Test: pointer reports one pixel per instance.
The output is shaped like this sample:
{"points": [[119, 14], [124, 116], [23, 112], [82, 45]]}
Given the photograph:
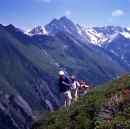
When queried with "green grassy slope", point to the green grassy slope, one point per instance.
{"points": [[88, 112]]}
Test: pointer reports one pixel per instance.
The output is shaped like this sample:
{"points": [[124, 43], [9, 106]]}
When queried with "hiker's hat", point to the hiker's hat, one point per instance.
{"points": [[61, 73]]}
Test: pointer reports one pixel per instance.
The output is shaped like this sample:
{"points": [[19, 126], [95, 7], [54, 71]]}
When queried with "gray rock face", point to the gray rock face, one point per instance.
{"points": [[15, 113], [23, 83], [120, 48]]}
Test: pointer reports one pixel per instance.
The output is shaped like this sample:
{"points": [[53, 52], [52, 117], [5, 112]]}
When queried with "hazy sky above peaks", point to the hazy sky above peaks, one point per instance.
{"points": [[28, 13]]}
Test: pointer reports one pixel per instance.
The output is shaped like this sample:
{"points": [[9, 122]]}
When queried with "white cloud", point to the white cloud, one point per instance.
{"points": [[68, 13], [45, 1], [117, 13]]}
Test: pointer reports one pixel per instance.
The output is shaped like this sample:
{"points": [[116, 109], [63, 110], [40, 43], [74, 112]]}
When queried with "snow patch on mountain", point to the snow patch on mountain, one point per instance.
{"points": [[91, 35], [38, 30], [128, 28], [126, 34], [101, 35], [27, 32], [112, 51]]}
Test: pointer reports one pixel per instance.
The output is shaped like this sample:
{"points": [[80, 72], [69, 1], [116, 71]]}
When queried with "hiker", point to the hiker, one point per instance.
{"points": [[74, 88], [65, 85], [83, 89]]}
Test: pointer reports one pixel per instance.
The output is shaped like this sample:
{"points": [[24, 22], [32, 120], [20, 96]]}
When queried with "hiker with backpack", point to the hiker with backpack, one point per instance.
{"points": [[65, 86], [74, 87], [83, 89]]}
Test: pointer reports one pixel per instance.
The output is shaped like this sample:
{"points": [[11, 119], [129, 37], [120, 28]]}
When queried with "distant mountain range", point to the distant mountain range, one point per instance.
{"points": [[95, 35], [103, 37], [30, 61]]}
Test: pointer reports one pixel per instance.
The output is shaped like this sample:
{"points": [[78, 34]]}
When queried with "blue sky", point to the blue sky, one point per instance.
{"points": [[28, 13]]}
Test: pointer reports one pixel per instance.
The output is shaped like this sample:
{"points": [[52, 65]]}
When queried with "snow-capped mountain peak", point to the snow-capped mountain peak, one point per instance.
{"points": [[38, 30], [100, 35], [94, 35], [91, 35]]}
